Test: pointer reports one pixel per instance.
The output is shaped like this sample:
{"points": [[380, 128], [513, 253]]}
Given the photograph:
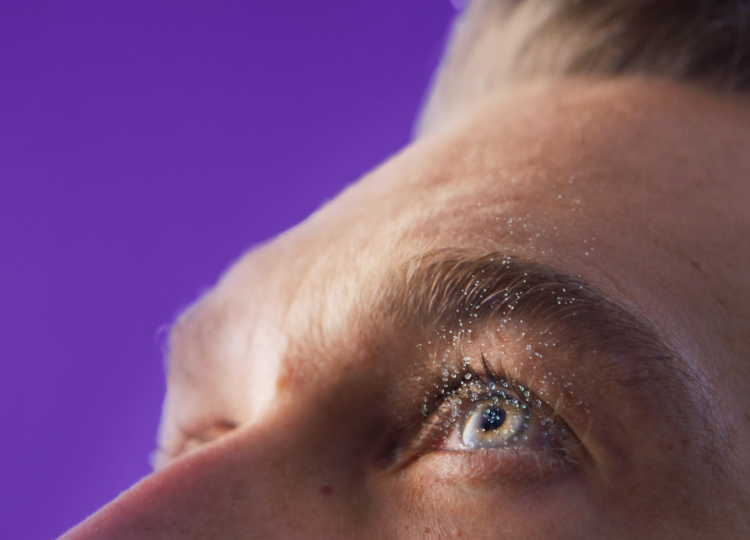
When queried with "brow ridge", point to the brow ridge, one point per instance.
{"points": [[449, 287]]}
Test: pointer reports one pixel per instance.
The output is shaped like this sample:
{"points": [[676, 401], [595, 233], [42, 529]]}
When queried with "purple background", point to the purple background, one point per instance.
{"points": [[143, 146]]}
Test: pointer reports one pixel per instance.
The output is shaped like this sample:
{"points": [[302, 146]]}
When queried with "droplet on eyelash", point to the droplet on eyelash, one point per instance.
{"points": [[467, 376]]}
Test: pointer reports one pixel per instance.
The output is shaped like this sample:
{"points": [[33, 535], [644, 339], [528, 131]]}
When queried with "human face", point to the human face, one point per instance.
{"points": [[532, 324]]}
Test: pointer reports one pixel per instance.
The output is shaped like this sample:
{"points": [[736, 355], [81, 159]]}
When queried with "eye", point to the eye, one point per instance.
{"points": [[495, 422], [183, 441], [491, 411]]}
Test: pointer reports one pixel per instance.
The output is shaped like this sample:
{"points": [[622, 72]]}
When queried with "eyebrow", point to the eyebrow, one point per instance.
{"points": [[445, 288], [448, 288]]}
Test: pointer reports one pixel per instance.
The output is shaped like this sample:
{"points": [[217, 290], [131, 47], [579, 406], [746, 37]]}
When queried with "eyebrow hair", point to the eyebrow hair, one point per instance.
{"points": [[449, 287]]}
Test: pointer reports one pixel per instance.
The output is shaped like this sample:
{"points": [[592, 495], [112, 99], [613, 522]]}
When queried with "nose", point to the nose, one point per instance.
{"points": [[260, 482]]}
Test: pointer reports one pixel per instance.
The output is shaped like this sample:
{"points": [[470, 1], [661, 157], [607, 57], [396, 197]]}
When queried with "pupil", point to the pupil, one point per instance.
{"points": [[492, 419]]}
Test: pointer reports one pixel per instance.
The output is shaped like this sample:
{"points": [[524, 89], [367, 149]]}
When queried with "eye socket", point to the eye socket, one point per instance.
{"points": [[497, 421]]}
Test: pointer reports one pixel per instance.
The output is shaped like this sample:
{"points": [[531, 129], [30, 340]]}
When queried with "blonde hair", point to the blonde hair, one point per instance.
{"points": [[495, 42]]}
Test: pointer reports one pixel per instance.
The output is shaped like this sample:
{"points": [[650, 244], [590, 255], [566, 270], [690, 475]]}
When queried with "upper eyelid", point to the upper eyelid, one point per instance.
{"points": [[489, 376]]}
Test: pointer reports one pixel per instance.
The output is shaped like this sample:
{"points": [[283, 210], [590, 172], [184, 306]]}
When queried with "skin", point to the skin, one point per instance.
{"points": [[290, 380]]}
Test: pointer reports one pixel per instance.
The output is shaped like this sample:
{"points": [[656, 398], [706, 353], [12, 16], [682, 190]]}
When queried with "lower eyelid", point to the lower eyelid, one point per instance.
{"points": [[532, 440], [487, 465]]}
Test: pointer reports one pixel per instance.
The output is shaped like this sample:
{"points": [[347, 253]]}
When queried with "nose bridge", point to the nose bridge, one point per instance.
{"points": [[267, 481]]}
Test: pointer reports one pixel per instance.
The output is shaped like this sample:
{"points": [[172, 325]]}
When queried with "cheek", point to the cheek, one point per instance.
{"points": [[488, 508]]}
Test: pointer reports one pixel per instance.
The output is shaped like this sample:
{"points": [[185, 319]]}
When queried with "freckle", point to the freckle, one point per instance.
{"points": [[326, 490], [427, 530]]}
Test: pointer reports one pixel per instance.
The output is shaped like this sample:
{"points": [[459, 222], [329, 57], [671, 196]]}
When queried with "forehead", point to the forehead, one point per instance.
{"points": [[615, 183]]}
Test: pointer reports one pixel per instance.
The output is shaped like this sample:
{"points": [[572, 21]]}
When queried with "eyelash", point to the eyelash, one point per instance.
{"points": [[473, 385]]}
